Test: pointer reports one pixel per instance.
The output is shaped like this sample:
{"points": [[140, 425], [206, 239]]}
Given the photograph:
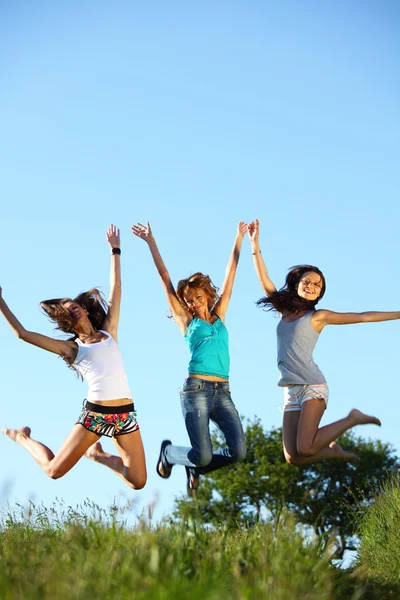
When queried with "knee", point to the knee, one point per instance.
{"points": [[53, 472], [240, 453], [202, 458], [138, 483], [305, 449], [293, 459]]}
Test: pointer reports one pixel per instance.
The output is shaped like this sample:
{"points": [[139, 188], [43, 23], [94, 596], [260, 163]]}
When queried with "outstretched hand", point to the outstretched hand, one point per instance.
{"points": [[242, 228], [112, 237], [253, 230], [143, 232]]}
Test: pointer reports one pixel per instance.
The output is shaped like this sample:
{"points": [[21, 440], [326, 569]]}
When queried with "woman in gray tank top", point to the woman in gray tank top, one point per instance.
{"points": [[305, 388]]}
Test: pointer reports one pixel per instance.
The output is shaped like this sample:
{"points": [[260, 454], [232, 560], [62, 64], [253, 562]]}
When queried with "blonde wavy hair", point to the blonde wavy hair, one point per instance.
{"points": [[198, 280]]}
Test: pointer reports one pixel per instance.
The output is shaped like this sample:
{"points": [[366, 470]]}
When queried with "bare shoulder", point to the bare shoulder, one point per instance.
{"points": [[321, 314], [112, 331], [320, 318]]}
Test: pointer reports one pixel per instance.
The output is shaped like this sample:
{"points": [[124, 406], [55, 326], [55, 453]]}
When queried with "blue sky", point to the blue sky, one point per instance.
{"points": [[194, 117]]}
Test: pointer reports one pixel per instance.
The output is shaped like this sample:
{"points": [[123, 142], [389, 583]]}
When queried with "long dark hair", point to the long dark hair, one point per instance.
{"points": [[92, 301], [287, 298]]}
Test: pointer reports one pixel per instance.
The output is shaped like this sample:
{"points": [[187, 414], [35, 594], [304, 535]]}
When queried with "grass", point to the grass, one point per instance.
{"points": [[379, 553], [62, 553], [88, 553]]}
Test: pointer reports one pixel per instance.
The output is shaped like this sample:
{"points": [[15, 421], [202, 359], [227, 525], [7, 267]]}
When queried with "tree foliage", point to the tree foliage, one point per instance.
{"points": [[326, 496]]}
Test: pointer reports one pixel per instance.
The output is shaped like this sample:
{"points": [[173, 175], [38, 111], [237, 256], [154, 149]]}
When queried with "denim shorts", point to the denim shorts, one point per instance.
{"points": [[97, 418], [295, 395]]}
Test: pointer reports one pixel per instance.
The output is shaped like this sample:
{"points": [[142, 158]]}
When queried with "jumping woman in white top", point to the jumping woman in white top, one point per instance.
{"points": [[305, 388], [92, 351]]}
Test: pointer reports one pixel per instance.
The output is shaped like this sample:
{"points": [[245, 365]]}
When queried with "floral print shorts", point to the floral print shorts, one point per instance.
{"points": [[97, 418]]}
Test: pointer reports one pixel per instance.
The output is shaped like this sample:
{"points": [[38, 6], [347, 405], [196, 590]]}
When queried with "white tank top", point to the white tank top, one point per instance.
{"points": [[102, 367]]}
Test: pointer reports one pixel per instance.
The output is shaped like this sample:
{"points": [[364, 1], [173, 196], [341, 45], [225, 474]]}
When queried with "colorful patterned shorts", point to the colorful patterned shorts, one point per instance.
{"points": [[97, 418]]}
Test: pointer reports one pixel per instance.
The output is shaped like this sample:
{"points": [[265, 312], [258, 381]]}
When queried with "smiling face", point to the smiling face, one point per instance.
{"points": [[310, 286], [196, 300], [75, 310]]}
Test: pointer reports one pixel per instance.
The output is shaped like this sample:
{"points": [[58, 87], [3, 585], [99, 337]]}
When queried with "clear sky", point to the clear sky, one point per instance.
{"points": [[194, 116]]}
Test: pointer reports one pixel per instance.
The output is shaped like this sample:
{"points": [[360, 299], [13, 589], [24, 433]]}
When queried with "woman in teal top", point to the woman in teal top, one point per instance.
{"points": [[199, 312], [208, 345]]}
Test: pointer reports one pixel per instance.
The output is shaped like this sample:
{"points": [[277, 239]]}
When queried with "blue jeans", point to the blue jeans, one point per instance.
{"points": [[201, 401]]}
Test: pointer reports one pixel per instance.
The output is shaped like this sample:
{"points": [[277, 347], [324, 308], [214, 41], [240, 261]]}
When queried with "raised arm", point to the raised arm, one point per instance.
{"points": [[180, 314], [259, 265], [66, 349], [230, 273], [328, 317], [114, 300]]}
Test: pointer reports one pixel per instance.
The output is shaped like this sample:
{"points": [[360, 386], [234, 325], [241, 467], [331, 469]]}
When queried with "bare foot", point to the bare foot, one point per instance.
{"points": [[349, 456], [17, 435], [94, 451], [360, 418]]}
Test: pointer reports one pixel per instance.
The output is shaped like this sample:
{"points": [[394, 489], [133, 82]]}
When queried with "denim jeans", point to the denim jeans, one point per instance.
{"points": [[201, 401]]}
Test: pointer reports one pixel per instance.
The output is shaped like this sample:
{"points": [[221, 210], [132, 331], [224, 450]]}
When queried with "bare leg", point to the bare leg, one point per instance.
{"points": [[54, 465], [310, 439], [131, 466], [290, 434]]}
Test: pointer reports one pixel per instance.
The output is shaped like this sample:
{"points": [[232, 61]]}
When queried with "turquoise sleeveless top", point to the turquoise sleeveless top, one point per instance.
{"points": [[208, 345]]}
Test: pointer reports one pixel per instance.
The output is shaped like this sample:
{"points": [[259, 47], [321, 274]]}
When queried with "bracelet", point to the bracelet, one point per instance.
{"points": [[257, 252], [116, 251]]}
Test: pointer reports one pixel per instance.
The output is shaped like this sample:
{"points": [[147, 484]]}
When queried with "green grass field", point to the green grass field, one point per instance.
{"points": [[379, 554], [88, 553]]}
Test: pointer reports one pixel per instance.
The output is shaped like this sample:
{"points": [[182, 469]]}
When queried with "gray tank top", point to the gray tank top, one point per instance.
{"points": [[296, 342]]}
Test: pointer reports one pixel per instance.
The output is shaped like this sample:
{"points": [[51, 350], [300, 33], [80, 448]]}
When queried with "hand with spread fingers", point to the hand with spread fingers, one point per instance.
{"points": [[113, 236], [143, 232]]}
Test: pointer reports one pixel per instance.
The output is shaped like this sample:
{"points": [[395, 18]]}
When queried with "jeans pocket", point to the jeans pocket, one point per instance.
{"points": [[191, 387]]}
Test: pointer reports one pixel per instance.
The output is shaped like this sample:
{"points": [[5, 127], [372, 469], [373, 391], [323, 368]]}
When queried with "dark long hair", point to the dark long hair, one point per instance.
{"points": [[92, 301], [287, 298]]}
